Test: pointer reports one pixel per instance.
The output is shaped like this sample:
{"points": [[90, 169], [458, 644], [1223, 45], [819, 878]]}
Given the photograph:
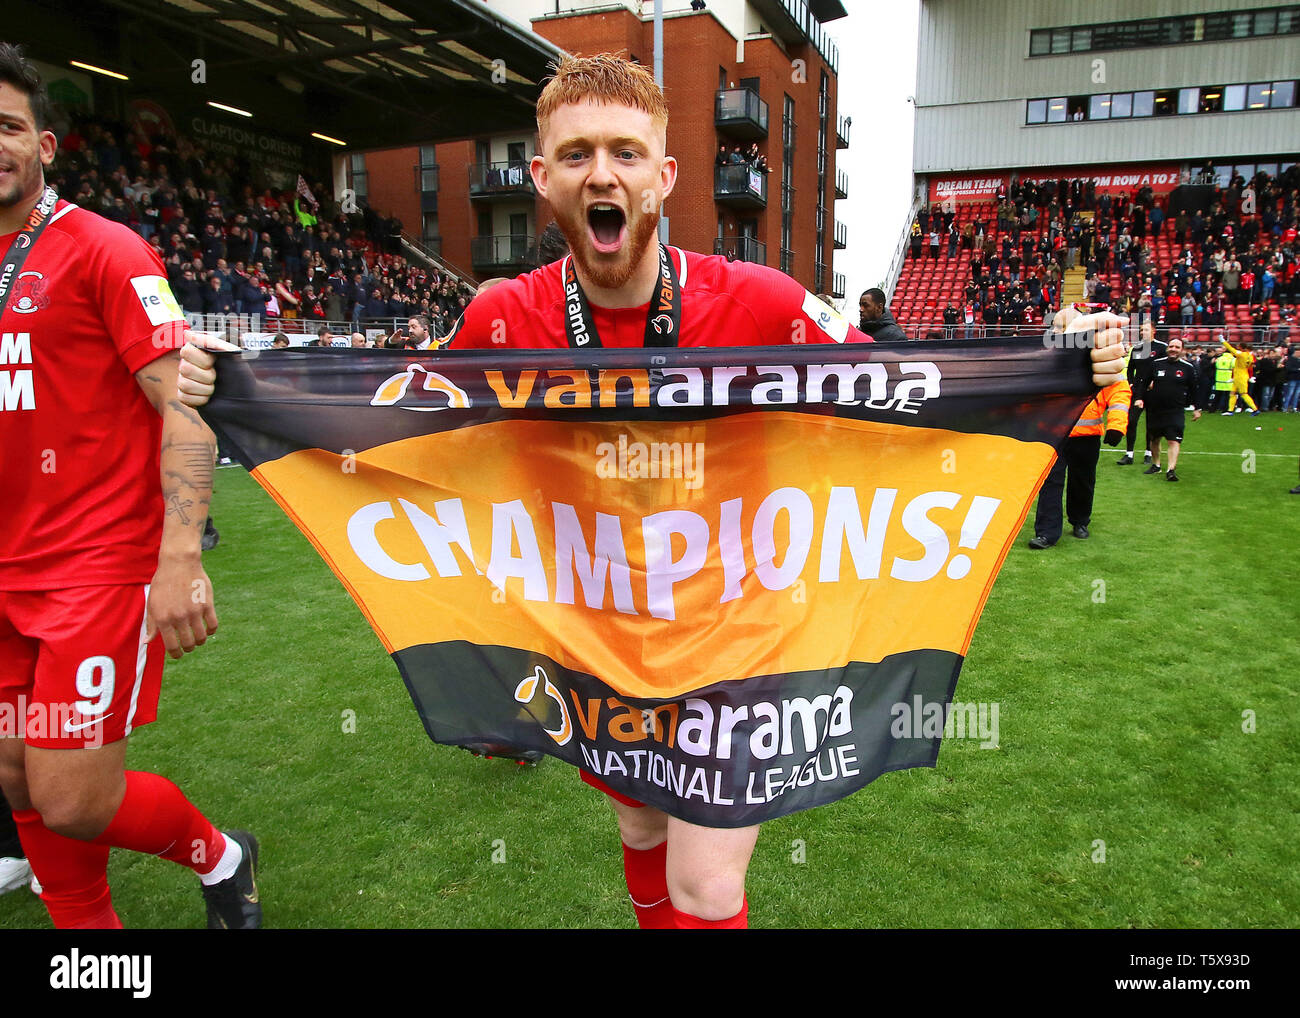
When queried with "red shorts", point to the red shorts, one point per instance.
{"points": [[75, 668], [600, 786]]}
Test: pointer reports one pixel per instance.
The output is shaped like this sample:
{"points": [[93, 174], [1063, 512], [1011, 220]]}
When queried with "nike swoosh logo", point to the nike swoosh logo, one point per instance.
{"points": [[69, 727]]}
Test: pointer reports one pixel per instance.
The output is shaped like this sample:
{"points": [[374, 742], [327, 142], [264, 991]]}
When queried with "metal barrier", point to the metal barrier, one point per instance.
{"points": [[1195, 335]]}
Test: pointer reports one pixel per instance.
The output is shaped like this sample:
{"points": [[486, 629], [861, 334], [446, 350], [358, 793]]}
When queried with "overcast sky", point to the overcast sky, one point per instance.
{"points": [[877, 74]]}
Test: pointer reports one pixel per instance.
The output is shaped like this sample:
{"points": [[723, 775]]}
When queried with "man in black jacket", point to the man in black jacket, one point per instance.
{"points": [[1164, 390], [875, 319]]}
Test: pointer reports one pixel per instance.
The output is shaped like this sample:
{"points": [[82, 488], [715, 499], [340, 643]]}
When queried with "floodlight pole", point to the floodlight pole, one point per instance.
{"points": [[659, 80]]}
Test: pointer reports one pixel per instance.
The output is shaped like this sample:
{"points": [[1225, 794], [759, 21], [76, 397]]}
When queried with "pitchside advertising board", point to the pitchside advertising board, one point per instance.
{"points": [[1161, 178], [707, 576]]}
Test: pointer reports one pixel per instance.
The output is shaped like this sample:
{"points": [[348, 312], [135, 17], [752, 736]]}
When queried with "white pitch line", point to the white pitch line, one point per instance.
{"points": [[1258, 455]]}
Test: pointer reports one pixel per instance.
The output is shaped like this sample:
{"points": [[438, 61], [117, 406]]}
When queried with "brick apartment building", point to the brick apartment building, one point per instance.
{"points": [[735, 72]]}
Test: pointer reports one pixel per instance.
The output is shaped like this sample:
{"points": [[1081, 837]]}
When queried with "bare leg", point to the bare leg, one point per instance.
{"points": [[1173, 455], [707, 866], [640, 827]]}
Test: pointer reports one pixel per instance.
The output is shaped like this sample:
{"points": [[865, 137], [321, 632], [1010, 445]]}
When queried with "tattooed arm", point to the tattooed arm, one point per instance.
{"points": [[180, 596]]}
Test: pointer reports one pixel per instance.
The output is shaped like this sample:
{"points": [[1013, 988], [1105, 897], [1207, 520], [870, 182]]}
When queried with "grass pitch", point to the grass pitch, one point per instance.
{"points": [[1124, 790]]}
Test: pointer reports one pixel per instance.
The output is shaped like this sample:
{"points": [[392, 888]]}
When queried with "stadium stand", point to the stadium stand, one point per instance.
{"points": [[1003, 264], [274, 260]]}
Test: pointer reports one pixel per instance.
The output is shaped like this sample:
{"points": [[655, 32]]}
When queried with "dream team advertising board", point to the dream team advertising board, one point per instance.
{"points": [[709, 576]]}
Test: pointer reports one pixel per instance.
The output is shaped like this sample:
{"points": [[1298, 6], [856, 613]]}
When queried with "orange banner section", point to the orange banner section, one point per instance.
{"points": [[663, 557]]}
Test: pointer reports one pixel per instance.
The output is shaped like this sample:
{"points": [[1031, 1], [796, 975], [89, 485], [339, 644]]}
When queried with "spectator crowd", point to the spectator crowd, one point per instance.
{"points": [[232, 246], [1185, 270]]}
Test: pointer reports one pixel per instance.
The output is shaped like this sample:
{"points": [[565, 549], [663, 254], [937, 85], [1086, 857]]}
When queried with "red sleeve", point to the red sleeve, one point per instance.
{"points": [[786, 312], [135, 300]]}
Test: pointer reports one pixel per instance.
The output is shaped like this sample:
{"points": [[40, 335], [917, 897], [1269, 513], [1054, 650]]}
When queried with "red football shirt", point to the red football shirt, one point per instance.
{"points": [[723, 304], [82, 502]]}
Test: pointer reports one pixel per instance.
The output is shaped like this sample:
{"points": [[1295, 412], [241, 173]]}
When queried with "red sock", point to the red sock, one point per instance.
{"points": [[647, 885], [73, 875], [155, 817], [739, 921]]}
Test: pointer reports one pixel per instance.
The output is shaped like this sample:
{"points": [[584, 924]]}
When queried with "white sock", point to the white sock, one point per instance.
{"points": [[226, 865]]}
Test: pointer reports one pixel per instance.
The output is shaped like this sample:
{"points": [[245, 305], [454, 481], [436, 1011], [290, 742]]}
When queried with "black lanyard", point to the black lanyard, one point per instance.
{"points": [[663, 321], [22, 245]]}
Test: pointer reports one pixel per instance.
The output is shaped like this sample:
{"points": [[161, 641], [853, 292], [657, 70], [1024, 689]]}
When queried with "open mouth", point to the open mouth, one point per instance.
{"points": [[607, 223]]}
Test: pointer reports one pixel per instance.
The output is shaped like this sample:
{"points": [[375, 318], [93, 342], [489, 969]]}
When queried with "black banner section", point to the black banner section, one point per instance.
{"points": [[360, 399], [729, 755]]}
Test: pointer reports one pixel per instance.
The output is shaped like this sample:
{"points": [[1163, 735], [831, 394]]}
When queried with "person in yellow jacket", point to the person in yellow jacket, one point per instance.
{"points": [[1243, 363], [1223, 365], [1107, 414]]}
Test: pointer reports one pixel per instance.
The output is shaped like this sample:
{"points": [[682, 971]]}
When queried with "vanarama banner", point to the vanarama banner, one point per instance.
{"points": [[708, 576]]}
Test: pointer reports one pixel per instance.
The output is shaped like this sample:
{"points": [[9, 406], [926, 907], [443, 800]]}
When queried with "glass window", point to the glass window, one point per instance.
{"points": [[1269, 168], [1234, 97], [1056, 111], [1257, 96], [1241, 24], [1144, 104], [1166, 103], [1265, 22], [1040, 43], [428, 180], [1288, 21], [1217, 26], [1283, 95], [1106, 37], [1212, 99], [1037, 111], [1082, 40], [427, 157], [358, 162], [1121, 105], [1189, 100], [1149, 33], [1099, 107], [1060, 40]]}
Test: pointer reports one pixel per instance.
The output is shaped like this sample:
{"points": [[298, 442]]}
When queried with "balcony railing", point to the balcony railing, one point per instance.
{"points": [[498, 253], [497, 180], [807, 24], [842, 132], [841, 184], [740, 112], [838, 285], [740, 185], [841, 235], [742, 249], [787, 260]]}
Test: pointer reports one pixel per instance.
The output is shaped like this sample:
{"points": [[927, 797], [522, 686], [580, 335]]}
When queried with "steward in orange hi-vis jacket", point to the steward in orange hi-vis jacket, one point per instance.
{"points": [[1077, 458], [1108, 411]]}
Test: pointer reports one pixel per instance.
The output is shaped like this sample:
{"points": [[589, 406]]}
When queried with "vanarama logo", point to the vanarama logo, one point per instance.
{"points": [[526, 693], [449, 394], [903, 387]]}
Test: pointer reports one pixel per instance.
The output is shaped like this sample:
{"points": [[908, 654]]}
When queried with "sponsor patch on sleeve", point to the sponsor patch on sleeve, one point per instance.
{"points": [[157, 299], [825, 317]]}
